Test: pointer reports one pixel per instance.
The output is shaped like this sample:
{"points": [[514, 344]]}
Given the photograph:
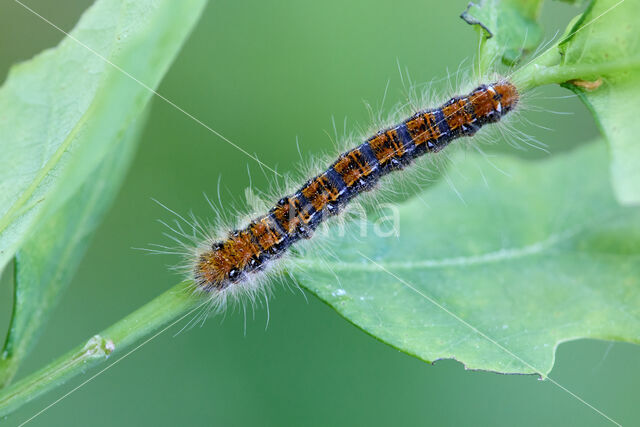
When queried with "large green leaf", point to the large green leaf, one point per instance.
{"points": [[68, 128], [607, 35], [534, 257], [64, 109]]}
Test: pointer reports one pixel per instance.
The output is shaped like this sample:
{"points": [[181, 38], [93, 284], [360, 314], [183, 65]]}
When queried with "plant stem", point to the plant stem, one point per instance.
{"points": [[122, 334], [536, 75]]}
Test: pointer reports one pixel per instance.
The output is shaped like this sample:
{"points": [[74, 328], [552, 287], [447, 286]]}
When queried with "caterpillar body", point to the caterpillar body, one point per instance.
{"points": [[247, 251]]}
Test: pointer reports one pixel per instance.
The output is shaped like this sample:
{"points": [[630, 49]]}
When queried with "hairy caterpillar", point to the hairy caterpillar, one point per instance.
{"points": [[245, 252]]}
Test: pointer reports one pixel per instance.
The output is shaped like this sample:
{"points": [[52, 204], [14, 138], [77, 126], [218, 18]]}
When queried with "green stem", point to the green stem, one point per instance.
{"points": [[535, 74], [122, 334]]}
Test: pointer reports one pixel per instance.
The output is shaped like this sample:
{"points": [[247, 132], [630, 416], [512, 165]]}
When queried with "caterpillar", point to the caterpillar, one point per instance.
{"points": [[247, 251]]}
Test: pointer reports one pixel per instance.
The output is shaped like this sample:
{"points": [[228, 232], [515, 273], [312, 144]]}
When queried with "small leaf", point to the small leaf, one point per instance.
{"points": [[509, 29], [536, 256], [604, 36]]}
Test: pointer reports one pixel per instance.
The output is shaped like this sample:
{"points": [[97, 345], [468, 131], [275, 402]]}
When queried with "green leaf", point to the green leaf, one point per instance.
{"points": [[604, 36], [508, 30], [68, 130], [64, 109], [533, 257], [48, 260]]}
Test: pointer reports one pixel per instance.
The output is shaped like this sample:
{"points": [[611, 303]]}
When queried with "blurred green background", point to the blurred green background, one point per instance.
{"points": [[264, 73]]}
